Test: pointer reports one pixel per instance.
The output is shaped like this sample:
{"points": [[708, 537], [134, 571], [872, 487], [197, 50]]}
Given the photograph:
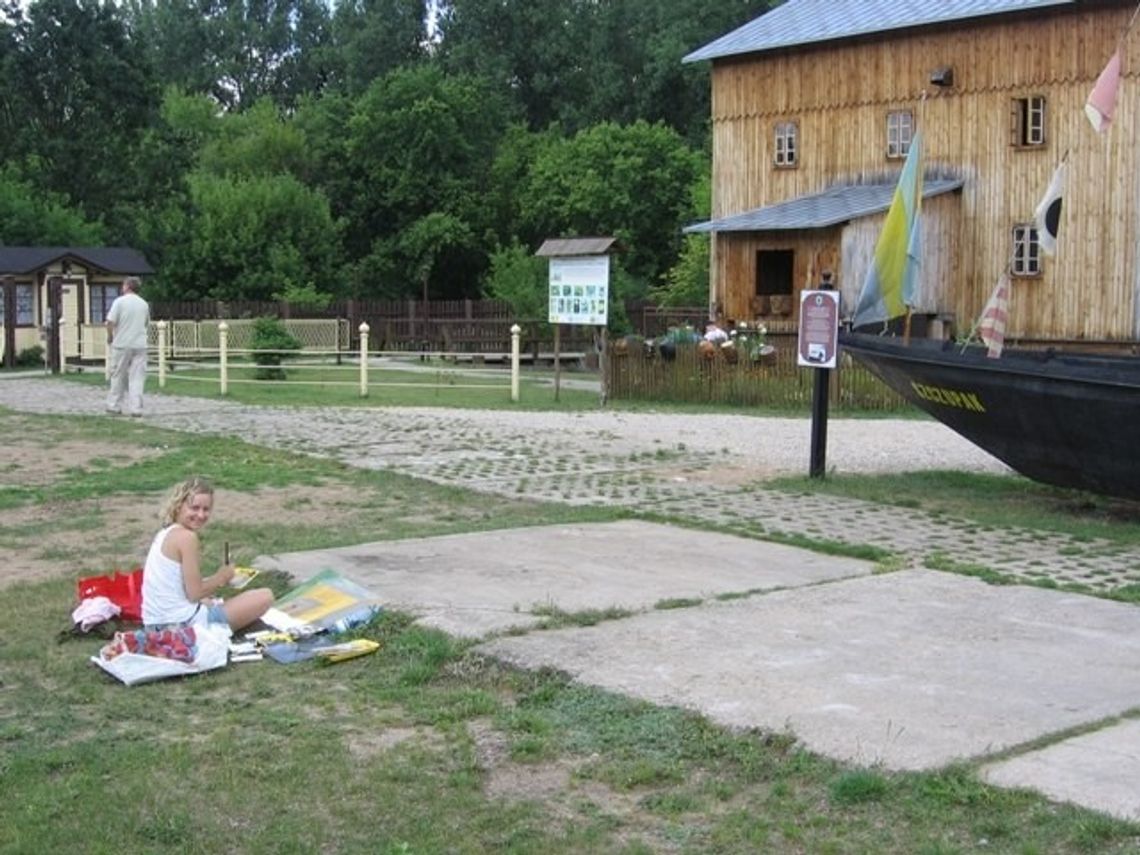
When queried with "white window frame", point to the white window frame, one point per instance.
{"points": [[25, 306], [98, 308], [787, 145], [1026, 255], [900, 132], [1027, 121]]}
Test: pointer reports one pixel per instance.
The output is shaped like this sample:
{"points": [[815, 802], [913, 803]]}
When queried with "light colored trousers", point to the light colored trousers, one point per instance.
{"points": [[128, 376]]}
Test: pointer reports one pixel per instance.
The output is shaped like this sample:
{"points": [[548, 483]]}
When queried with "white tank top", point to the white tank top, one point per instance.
{"points": [[163, 592]]}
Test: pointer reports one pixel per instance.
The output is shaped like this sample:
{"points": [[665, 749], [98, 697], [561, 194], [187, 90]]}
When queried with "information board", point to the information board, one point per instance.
{"points": [[580, 290], [819, 329]]}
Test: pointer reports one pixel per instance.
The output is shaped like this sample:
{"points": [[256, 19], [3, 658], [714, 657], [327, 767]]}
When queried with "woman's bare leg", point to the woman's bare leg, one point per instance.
{"points": [[246, 607]]}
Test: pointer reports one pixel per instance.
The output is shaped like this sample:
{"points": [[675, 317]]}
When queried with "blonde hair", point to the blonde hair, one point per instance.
{"points": [[183, 493]]}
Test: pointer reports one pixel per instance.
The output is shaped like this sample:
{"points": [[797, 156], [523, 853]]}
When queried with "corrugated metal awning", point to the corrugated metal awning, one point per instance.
{"points": [[821, 210], [576, 246], [800, 22]]}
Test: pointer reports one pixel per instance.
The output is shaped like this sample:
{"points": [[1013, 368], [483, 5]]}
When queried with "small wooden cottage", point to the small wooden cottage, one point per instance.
{"points": [[814, 106], [81, 281]]}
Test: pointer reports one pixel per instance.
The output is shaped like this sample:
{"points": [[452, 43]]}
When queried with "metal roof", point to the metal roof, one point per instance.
{"points": [[576, 246], [800, 22], [110, 259], [820, 210]]}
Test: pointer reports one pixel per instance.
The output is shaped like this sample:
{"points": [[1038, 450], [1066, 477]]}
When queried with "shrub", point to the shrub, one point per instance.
{"points": [[30, 357], [269, 341]]}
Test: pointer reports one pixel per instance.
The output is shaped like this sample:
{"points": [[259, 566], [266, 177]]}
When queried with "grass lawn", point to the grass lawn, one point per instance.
{"points": [[423, 747]]}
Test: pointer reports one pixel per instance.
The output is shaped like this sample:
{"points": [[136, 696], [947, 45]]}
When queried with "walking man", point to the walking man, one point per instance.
{"points": [[127, 323]]}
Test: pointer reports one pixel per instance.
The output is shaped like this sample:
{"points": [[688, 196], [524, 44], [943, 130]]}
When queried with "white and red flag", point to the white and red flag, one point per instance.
{"points": [[991, 326], [1102, 100]]}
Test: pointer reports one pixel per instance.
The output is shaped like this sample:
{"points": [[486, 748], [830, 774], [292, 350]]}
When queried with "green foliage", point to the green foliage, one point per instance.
{"points": [[78, 95], [269, 340], [248, 239], [520, 278], [303, 296], [628, 182], [36, 217], [417, 159], [361, 28], [237, 53], [30, 357], [686, 282]]}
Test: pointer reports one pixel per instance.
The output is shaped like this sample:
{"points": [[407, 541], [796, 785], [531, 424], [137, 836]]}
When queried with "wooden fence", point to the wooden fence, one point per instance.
{"points": [[636, 372]]}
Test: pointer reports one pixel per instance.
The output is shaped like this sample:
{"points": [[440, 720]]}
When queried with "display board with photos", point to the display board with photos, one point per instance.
{"points": [[579, 290]]}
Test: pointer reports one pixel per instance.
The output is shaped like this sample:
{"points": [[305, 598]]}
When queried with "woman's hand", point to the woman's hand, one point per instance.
{"points": [[225, 574]]}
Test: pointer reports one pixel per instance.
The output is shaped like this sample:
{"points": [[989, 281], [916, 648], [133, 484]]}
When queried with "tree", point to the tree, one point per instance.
{"points": [[374, 37], [238, 51], [632, 183], [33, 217], [517, 276], [248, 239], [419, 144], [530, 52], [76, 96], [581, 62]]}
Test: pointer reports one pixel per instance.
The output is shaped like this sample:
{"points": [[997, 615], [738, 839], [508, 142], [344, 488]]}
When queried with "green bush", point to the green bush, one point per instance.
{"points": [[269, 342], [30, 357]]}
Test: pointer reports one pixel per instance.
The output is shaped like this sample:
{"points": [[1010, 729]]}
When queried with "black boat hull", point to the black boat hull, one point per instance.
{"points": [[1071, 420]]}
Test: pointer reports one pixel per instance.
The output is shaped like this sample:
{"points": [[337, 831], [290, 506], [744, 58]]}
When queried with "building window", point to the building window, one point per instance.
{"points": [[102, 296], [1026, 251], [900, 131], [1027, 121], [786, 144], [25, 306]]}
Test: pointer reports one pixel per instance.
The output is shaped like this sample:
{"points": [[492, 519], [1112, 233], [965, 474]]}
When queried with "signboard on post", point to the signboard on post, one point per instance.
{"points": [[580, 290], [819, 329]]}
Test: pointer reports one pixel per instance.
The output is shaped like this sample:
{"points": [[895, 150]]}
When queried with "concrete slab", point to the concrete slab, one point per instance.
{"points": [[911, 670], [1097, 770], [473, 584]]}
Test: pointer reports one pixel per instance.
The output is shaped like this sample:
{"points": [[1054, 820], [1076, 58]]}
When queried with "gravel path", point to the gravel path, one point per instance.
{"points": [[693, 467]]}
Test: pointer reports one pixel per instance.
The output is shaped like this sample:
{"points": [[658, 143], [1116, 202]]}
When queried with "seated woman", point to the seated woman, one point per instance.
{"points": [[174, 590]]}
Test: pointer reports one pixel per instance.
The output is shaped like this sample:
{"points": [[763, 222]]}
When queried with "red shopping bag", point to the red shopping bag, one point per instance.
{"points": [[122, 589]]}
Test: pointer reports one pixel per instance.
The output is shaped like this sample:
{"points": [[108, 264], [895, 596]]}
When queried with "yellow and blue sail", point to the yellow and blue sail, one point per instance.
{"points": [[892, 281]]}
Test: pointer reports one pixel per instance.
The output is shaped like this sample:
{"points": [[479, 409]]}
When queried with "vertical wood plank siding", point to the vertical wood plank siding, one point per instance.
{"points": [[839, 95]]}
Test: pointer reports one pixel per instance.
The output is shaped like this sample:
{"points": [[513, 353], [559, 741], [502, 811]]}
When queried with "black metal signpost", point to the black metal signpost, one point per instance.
{"points": [[818, 343]]}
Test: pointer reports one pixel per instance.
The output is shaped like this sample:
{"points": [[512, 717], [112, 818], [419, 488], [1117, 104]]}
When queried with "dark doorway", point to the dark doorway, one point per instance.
{"points": [[774, 272]]}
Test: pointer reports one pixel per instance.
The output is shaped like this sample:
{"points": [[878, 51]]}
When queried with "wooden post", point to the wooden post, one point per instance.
{"points": [[364, 360], [557, 360], [9, 322], [161, 327], [515, 330], [54, 307], [223, 346], [602, 364]]}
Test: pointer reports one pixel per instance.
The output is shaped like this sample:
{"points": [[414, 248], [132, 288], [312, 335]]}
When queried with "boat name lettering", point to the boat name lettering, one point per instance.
{"points": [[948, 397]]}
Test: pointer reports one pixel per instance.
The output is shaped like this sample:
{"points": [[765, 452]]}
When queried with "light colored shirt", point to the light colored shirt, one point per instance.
{"points": [[128, 317], [163, 591]]}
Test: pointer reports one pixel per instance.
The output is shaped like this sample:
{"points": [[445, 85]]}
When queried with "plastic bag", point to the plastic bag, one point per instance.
{"points": [[133, 668], [122, 589]]}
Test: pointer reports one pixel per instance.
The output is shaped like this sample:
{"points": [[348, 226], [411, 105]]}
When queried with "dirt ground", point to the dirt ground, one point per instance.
{"points": [[49, 540]]}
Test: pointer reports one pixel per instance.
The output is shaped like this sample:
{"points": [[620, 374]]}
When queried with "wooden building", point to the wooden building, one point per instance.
{"points": [[85, 281], [814, 105]]}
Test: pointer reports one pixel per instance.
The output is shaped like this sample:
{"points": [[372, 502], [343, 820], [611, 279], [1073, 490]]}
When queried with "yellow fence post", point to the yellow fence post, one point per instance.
{"points": [[364, 360], [161, 325], [223, 341], [515, 330]]}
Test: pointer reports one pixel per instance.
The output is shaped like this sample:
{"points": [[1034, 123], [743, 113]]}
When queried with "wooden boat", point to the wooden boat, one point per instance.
{"points": [[1065, 419]]}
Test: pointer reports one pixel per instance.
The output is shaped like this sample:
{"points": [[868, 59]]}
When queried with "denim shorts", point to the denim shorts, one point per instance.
{"points": [[204, 615]]}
